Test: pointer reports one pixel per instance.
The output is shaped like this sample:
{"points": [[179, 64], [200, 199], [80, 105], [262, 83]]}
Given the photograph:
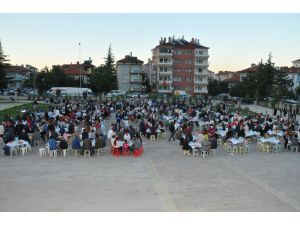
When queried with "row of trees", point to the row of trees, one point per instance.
{"points": [[266, 81], [103, 79]]}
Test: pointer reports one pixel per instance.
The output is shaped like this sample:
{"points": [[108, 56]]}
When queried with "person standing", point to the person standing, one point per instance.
{"points": [[172, 130]]}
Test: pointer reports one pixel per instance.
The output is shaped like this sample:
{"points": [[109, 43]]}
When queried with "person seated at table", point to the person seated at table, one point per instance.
{"points": [[153, 131], [213, 142], [52, 143], [125, 146], [240, 131], [98, 142], [127, 136], [294, 141], [185, 145], [24, 136], [229, 133], [76, 142], [148, 132], [2, 144], [87, 145], [85, 134], [116, 145], [112, 140], [138, 142]]}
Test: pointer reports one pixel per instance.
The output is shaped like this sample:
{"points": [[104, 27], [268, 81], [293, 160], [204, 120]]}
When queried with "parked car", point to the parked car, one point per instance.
{"points": [[34, 93], [114, 93], [137, 95]]}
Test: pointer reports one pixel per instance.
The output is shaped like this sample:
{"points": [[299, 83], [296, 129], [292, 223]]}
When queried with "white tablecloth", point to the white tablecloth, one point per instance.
{"points": [[251, 133], [222, 133], [12, 145], [271, 140], [236, 141], [271, 132], [195, 145]]}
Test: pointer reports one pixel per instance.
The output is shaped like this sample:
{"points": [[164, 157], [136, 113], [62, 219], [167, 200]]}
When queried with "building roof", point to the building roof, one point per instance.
{"points": [[180, 42], [224, 73], [130, 60], [290, 69], [298, 60], [74, 72], [233, 79], [253, 68]]}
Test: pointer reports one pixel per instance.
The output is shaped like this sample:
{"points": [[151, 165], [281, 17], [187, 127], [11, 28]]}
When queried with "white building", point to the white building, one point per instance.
{"points": [[296, 63], [129, 74]]}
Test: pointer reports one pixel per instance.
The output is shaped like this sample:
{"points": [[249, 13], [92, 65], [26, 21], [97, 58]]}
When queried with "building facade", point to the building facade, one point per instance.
{"points": [[76, 71], [129, 74], [296, 63], [181, 66]]}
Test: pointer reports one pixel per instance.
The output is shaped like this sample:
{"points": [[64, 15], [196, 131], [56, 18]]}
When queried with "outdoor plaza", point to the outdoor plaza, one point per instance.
{"points": [[162, 179]]}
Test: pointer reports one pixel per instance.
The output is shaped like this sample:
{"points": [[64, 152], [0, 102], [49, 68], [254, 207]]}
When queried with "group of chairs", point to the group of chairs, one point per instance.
{"points": [[126, 152], [159, 136], [22, 150], [236, 149], [202, 152], [45, 151]]}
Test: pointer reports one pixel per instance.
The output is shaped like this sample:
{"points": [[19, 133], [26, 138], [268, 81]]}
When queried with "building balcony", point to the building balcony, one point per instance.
{"points": [[204, 55], [165, 91], [165, 63], [165, 81], [165, 54], [165, 73], [136, 80], [201, 81], [202, 91], [202, 74], [201, 64], [137, 89], [135, 71]]}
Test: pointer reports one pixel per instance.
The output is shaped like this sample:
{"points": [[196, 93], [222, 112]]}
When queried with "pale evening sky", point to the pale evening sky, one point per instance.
{"points": [[235, 40]]}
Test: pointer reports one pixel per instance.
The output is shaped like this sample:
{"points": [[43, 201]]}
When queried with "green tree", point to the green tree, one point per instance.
{"points": [[101, 80], [146, 83], [3, 66], [216, 87], [111, 68]]}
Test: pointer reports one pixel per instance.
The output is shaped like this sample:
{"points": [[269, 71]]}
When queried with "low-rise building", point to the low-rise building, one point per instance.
{"points": [[129, 74]]}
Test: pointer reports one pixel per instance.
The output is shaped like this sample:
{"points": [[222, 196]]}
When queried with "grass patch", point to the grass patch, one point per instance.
{"points": [[16, 110]]}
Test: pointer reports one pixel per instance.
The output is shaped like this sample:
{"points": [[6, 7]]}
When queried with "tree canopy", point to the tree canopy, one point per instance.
{"points": [[104, 77], [3, 65]]}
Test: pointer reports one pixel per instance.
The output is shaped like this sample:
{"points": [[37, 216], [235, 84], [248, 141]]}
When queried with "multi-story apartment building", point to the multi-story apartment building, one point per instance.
{"points": [[129, 74], [150, 70], [181, 65]]}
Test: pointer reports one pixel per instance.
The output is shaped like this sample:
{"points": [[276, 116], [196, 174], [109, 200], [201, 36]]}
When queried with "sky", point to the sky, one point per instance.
{"points": [[235, 40]]}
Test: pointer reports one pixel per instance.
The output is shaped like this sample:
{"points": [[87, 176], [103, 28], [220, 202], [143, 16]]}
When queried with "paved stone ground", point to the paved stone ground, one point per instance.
{"points": [[163, 179]]}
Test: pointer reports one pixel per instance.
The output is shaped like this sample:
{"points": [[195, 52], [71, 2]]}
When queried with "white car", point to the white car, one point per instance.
{"points": [[114, 93]]}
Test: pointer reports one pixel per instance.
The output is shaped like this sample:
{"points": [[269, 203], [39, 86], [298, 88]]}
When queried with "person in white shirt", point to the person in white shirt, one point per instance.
{"points": [[127, 136], [110, 134]]}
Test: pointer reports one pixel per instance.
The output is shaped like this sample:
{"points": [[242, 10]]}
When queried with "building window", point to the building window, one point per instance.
{"points": [[189, 52], [165, 51], [200, 70], [189, 61]]}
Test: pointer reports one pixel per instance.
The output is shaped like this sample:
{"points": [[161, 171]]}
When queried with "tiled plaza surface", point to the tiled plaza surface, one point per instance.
{"points": [[163, 179]]}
